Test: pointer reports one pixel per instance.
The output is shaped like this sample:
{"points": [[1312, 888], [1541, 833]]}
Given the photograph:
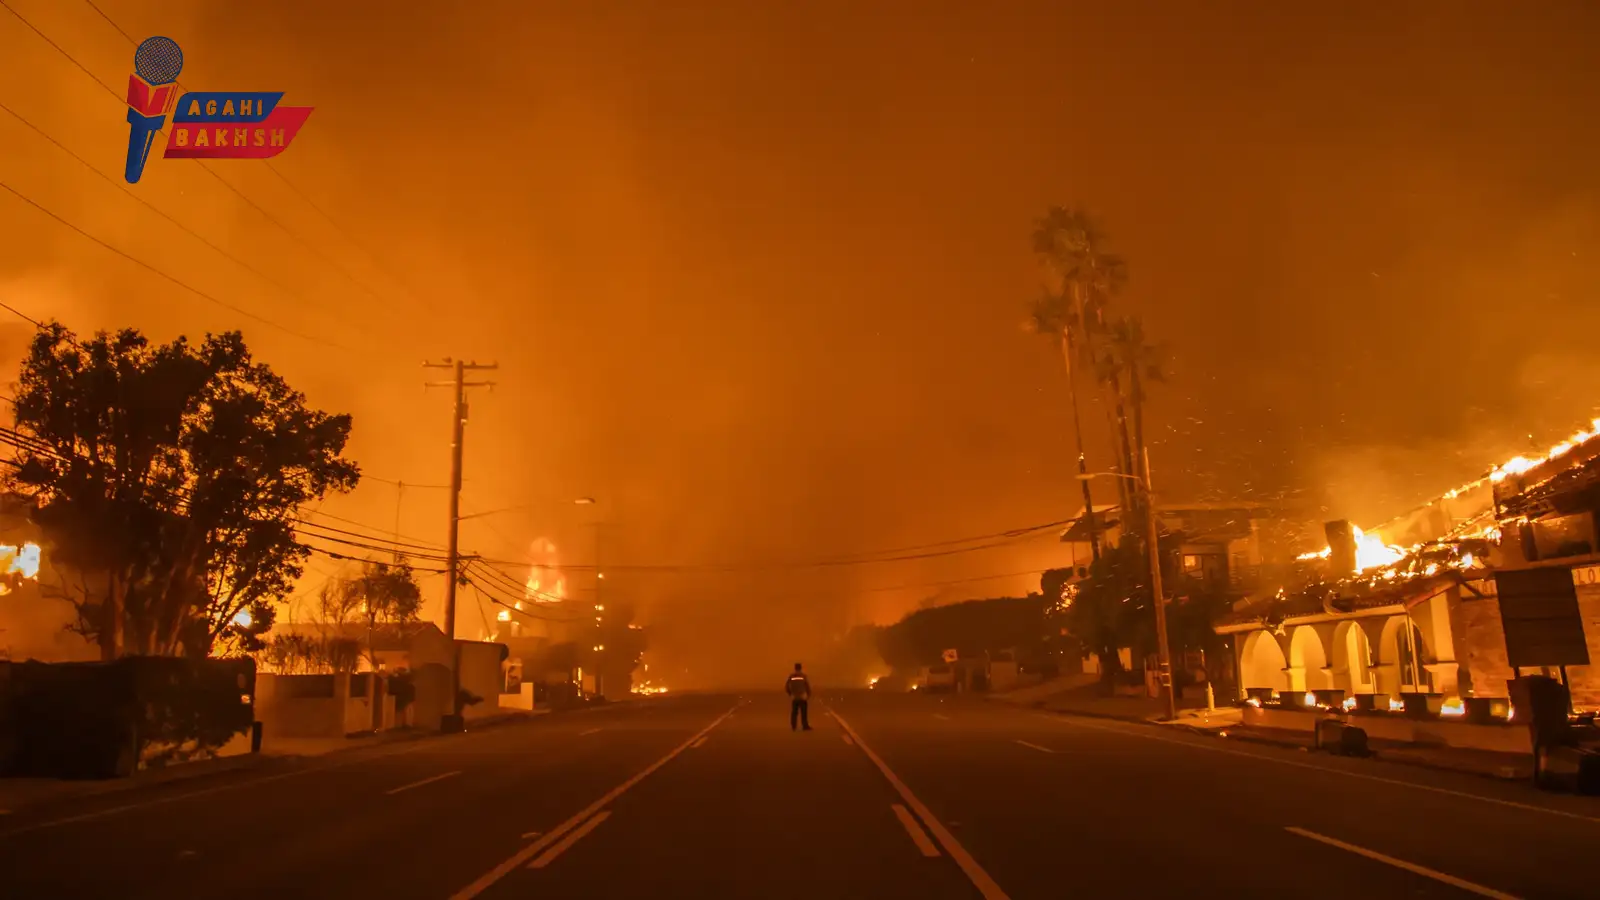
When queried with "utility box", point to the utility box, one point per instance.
{"points": [[1341, 739]]}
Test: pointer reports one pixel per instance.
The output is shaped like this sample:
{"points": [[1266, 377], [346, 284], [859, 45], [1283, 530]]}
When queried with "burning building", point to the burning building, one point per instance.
{"points": [[1449, 601], [35, 623]]}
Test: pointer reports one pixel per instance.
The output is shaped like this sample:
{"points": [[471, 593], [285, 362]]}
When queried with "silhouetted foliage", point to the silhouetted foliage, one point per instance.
{"points": [[304, 654], [972, 628], [167, 477], [381, 593]]}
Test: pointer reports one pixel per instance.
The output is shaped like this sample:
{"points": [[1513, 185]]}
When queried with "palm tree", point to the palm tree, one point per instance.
{"points": [[1082, 280], [1130, 362]]}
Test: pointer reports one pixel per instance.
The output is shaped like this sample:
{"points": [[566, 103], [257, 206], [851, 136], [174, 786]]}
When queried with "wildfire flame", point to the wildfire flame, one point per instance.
{"points": [[1516, 465], [545, 582], [1373, 553], [21, 561]]}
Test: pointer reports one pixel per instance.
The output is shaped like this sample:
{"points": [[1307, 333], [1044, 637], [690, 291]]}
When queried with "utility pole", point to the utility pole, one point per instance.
{"points": [[399, 496], [1153, 539], [452, 552]]}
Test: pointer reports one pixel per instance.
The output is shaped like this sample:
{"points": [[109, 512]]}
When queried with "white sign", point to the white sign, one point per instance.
{"points": [[1586, 576], [951, 656]]}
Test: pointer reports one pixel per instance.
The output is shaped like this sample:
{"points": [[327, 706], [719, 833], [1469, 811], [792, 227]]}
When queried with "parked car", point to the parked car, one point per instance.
{"points": [[892, 683], [939, 679]]}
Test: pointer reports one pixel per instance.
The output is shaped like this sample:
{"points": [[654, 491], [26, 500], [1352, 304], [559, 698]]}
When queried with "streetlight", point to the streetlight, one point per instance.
{"points": [[1152, 539], [599, 576]]}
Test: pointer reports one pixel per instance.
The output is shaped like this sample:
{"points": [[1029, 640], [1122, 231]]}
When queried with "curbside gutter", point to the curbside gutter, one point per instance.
{"points": [[1239, 734]]}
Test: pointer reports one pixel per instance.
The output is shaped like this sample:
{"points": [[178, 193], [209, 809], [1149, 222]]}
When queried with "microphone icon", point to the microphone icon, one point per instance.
{"points": [[151, 92]]}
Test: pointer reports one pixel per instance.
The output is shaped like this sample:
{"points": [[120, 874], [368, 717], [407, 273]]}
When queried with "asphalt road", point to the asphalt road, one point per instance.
{"points": [[888, 797]]}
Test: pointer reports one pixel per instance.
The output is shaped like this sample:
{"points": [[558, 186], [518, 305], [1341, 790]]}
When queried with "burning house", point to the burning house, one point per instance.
{"points": [[35, 623], [1442, 606], [1227, 548]]}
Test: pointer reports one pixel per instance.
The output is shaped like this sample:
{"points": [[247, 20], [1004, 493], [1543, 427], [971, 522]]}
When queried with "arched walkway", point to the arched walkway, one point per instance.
{"points": [[1307, 656], [1398, 671], [1262, 663], [1352, 659]]}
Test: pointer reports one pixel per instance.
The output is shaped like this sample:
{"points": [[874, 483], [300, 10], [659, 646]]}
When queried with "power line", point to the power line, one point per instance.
{"points": [[508, 582], [383, 533], [1012, 533], [396, 544], [512, 605], [163, 274], [954, 581], [283, 288], [13, 438], [736, 568], [19, 313], [407, 484], [511, 583], [301, 194]]}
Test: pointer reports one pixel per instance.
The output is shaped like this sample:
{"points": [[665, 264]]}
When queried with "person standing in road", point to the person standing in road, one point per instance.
{"points": [[799, 689]]}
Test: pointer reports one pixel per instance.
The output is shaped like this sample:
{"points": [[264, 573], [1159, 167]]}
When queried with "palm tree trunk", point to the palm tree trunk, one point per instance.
{"points": [[1135, 507], [1140, 455], [1117, 420], [1067, 349], [1124, 498]]}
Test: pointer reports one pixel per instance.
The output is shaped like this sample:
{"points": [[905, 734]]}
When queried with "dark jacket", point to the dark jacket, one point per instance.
{"points": [[798, 686]]}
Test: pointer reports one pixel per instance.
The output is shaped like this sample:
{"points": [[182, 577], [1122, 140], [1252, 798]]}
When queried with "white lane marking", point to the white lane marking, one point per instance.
{"points": [[941, 716], [1331, 771], [696, 744], [974, 872], [1035, 747], [567, 842], [918, 836], [488, 878], [417, 784], [1424, 871], [356, 757], [589, 732], [847, 740], [530, 834]]}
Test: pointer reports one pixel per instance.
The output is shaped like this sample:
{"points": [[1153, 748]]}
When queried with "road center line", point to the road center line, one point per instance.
{"points": [[1424, 871], [1035, 747], [974, 872], [918, 836], [567, 842], [589, 732], [488, 879], [1331, 771], [417, 784]]}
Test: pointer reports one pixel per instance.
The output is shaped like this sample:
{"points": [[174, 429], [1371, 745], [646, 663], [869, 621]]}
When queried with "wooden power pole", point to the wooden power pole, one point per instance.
{"points": [[459, 385]]}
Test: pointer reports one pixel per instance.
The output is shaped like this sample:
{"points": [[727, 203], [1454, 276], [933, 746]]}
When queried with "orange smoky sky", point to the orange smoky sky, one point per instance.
{"points": [[754, 272]]}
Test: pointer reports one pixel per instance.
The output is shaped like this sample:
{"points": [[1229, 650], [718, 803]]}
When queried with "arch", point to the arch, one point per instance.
{"points": [[1310, 658], [1352, 659], [1396, 673], [1261, 662]]}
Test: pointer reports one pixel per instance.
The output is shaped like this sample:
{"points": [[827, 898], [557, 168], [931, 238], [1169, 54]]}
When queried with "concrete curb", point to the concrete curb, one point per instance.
{"points": [[1269, 741], [57, 791]]}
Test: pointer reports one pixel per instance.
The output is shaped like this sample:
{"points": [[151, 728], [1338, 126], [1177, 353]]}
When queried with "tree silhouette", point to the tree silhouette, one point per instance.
{"points": [[167, 478]]}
